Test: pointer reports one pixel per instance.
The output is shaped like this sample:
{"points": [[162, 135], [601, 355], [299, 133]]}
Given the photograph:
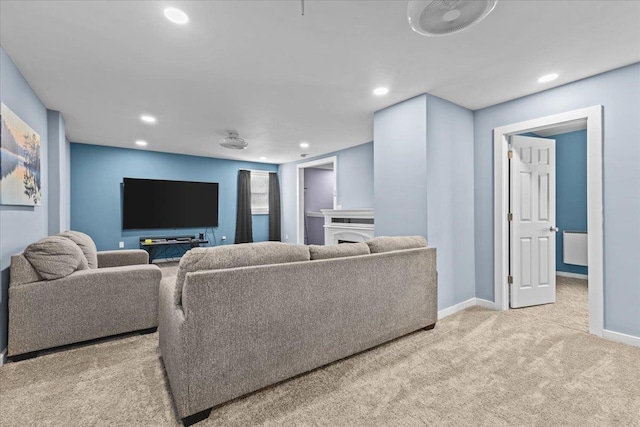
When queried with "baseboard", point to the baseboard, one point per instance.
{"points": [[572, 275], [3, 355], [485, 303], [471, 302], [623, 338]]}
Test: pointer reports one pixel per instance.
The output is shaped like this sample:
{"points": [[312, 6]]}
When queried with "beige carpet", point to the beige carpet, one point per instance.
{"points": [[479, 367]]}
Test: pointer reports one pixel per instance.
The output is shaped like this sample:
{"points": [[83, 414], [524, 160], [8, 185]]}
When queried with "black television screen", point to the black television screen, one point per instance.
{"points": [[151, 203]]}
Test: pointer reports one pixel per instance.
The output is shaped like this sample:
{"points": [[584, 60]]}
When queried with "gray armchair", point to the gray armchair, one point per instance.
{"points": [[120, 295]]}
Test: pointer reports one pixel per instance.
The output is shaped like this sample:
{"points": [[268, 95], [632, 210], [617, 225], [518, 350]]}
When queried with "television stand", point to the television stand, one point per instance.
{"points": [[160, 245]]}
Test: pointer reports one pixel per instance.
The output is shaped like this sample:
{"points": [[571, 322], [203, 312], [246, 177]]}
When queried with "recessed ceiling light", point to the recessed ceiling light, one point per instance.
{"points": [[148, 119], [380, 91], [263, 158], [548, 78], [176, 15], [304, 145], [141, 143]]}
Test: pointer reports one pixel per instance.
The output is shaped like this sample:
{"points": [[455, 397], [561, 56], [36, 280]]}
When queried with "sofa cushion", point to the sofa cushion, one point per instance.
{"points": [[338, 251], [55, 257], [232, 256], [396, 243], [86, 244]]}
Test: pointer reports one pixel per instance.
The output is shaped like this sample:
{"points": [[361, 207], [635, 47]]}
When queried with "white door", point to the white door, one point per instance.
{"points": [[532, 225]]}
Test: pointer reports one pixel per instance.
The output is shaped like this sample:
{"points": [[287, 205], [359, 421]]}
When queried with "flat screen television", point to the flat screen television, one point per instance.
{"points": [[153, 203]]}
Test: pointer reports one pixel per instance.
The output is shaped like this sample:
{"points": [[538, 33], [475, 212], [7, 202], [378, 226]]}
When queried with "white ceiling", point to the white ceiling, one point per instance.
{"points": [[280, 78]]}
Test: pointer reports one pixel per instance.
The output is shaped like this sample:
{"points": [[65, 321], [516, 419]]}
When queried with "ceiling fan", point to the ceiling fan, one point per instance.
{"points": [[444, 17], [234, 142]]}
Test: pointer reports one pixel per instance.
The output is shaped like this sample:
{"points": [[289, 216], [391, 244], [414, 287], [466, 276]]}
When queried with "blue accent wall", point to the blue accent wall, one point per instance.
{"points": [[96, 182], [618, 91], [571, 191]]}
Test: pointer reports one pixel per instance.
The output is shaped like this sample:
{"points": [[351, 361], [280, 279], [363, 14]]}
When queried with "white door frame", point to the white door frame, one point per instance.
{"points": [[595, 207], [300, 191]]}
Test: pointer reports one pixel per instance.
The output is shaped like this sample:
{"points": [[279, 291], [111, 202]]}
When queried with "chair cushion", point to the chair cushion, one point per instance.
{"points": [[338, 251], [396, 243], [86, 244], [55, 257], [232, 256]]}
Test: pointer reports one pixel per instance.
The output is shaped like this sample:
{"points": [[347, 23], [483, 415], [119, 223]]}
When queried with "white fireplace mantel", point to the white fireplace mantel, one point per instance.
{"points": [[347, 225]]}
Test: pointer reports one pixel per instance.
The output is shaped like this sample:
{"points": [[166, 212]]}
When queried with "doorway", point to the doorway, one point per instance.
{"points": [[592, 118], [316, 190], [548, 224]]}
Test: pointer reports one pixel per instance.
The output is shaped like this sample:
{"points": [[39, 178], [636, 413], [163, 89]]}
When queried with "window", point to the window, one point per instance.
{"points": [[259, 192]]}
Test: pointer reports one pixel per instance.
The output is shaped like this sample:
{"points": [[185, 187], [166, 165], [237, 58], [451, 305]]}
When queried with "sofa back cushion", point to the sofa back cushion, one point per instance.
{"points": [[21, 271], [232, 256], [55, 257], [396, 243], [338, 251], [86, 244]]}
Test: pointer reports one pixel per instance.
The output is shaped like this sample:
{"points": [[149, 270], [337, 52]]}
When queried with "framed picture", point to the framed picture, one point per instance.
{"points": [[20, 177]]}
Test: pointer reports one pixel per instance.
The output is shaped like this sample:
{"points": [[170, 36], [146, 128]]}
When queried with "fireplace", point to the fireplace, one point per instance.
{"points": [[347, 225]]}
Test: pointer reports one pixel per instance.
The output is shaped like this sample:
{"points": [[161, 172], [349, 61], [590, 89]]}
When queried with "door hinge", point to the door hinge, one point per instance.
{"points": [[510, 154], [510, 279], [509, 216]]}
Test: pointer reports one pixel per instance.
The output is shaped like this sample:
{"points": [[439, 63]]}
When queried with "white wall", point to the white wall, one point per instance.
{"points": [[400, 167], [21, 225], [355, 184], [619, 93], [450, 198], [59, 174], [424, 185]]}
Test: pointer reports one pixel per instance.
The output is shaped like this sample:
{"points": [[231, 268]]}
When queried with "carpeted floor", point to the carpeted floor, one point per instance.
{"points": [[535, 366]]}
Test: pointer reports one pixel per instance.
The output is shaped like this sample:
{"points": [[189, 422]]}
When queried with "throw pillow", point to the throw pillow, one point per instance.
{"points": [[55, 257], [86, 244]]}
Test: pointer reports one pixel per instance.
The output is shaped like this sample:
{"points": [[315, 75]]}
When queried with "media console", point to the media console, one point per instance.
{"points": [[154, 244]]}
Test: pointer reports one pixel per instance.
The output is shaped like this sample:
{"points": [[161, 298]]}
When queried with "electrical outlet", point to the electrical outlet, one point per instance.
{"points": [[286, 237], [223, 238], [121, 245]]}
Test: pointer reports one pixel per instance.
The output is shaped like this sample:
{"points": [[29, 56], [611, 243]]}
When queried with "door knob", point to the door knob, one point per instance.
{"points": [[553, 229]]}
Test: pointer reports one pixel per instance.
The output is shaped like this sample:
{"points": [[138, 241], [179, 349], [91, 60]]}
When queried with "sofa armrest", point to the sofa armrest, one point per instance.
{"points": [[85, 305], [125, 257], [171, 330]]}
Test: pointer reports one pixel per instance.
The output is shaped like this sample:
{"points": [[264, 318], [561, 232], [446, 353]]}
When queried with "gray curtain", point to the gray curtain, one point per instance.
{"points": [[244, 227], [274, 208]]}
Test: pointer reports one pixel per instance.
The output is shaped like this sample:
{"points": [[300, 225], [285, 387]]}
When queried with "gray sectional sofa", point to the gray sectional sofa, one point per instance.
{"points": [[63, 291], [239, 318]]}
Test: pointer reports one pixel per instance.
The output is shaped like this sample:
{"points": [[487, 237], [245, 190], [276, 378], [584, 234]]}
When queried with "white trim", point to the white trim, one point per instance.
{"points": [[3, 354], [595, 206], [572, 275], [620, 337], [300, 191], [471, 302], [485, 303], [445, 312]]}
